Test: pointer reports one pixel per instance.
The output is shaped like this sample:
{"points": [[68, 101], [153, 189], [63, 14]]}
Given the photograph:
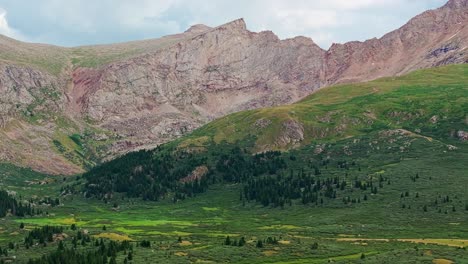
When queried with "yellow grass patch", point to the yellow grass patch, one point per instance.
{"points": [[68, 221], [443, 242], [442, 261], [269, 253], [284, 242], [185, 243], [302, 237], [203, 261], [114, 236], [194, 142], [181, 254], [200, 248], [350, 239], [279, 227], [210, 208]]}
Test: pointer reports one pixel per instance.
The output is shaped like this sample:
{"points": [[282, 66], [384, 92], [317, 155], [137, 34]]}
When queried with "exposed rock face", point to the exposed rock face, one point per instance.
{"points": [[292, 133], [462, 135], [220, 71], [433, 38], [141, 94], [21, 87], [262, 123], [197, 174]]}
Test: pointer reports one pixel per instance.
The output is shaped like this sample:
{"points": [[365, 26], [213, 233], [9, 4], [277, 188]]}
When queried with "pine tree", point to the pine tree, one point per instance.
{"points": [[314, 246], [60, 246], [241, 242], [259, 243], [227, 241]]}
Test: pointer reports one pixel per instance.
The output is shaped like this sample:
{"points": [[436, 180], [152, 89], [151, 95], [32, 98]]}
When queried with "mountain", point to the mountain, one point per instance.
{"points": [[386, 121], [374, 171], [429, 103], [63, 109], [433, 38]]}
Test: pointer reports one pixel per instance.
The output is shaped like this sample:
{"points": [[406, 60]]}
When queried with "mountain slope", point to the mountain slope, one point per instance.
{"points": [[62, 109], [390, 117], [430, 102], [433, 38]]}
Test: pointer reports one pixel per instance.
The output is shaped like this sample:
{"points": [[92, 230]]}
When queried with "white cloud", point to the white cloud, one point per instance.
{"points": [[77, 22], [307, 19], [325, 21], [5, 29], [355, 4]]}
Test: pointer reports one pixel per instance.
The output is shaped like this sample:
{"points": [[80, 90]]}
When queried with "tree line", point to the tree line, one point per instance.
{"points": [[8, 204], [154, 175]]}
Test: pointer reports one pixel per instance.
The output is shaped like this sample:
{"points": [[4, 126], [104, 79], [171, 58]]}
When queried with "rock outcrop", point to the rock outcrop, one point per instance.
{"points": [[433, 38], [135, 95]]}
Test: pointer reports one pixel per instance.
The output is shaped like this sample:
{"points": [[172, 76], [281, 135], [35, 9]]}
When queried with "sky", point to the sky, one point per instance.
{"points": [[86, 22]]}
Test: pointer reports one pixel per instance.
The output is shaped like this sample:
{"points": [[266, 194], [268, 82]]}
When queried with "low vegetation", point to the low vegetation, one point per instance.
{"points": [[377, 176]]}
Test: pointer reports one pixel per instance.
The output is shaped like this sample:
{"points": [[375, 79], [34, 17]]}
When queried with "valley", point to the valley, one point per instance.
{"points": [[389, 186], [219, 144]]}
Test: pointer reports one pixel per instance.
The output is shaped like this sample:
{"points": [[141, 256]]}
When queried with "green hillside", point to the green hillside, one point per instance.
{"points": [[55, 60], [432, 103], [363, 173]]}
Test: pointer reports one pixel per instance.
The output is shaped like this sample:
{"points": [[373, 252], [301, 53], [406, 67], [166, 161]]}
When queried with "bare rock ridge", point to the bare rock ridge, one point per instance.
{"points": [[457, 4], [433, 38], [128, 96], [199, 28]]}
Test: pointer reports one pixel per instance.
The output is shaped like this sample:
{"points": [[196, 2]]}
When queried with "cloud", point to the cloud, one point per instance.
{"points": [[325, 21], [78, 22], [5, 29]]}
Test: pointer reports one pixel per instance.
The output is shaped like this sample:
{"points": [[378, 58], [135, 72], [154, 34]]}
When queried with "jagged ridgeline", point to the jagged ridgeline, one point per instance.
{"points": [[74, 107], [304, 151]]}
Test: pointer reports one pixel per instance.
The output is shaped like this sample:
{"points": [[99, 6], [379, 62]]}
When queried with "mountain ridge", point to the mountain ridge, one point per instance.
{"points": [[133, 95]]}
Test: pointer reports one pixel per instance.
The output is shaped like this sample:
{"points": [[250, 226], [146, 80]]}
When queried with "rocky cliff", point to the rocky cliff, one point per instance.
{"points": [[62, 108]]}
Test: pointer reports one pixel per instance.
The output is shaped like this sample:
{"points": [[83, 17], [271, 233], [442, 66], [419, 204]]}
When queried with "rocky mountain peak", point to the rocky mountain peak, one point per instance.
{"points": [[167, 87], [301, 40], [235, 25], [198, 28]]}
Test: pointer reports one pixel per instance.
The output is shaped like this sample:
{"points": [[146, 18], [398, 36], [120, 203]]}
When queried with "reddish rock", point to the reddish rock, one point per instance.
{"points": [[145, 93]]}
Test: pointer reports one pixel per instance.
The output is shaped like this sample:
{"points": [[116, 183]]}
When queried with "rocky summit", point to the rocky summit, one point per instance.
{"points": [[65, 109]]}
